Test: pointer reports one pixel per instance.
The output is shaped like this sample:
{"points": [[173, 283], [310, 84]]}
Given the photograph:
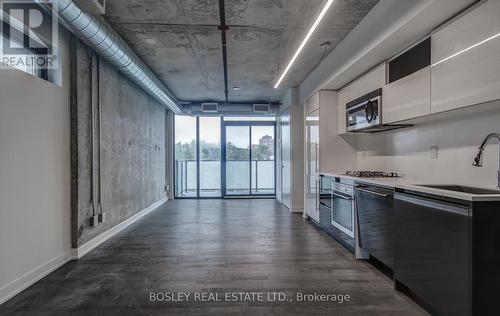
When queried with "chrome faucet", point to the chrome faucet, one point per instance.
{"points": [[478, 161]]}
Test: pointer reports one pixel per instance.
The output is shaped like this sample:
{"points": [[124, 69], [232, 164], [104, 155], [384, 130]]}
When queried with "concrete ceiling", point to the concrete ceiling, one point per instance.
{"points": [[180, 41]]}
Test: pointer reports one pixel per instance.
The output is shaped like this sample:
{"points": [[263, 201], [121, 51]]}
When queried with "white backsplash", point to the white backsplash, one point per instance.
{"points": [[408, 151]]}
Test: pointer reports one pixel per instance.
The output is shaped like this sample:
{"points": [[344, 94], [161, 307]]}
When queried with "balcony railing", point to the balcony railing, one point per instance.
{"points": [[237, 178]]}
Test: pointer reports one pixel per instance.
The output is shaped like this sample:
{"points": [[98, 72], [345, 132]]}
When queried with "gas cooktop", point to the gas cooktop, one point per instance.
{"points": [[371, 174]]}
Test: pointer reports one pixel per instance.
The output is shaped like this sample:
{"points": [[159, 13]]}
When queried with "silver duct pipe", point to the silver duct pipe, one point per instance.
{"points": [[99, 35]]}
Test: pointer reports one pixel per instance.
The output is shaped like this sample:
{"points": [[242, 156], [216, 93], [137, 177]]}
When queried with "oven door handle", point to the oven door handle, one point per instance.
{"points": [[325, 205], [342, 196], [372, 192]]}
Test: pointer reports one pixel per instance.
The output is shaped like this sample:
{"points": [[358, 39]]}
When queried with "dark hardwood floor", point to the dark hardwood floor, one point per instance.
{"points": [[218, 246]]}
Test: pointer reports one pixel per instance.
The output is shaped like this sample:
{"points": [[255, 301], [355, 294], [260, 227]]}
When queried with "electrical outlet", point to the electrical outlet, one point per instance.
{"points": [[434, 152], [94, 221], [102, 217]]}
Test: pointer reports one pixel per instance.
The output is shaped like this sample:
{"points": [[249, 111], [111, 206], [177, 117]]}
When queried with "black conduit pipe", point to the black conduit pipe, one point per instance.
{"points": [[223, 28]]}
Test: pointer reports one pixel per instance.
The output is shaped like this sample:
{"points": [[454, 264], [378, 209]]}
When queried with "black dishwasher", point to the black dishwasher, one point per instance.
{"points": [[376, 222], [431, 251]]}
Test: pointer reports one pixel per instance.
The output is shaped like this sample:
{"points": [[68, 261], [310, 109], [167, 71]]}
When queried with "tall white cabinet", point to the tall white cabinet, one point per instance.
{"points": [[291, 158], [466, 59], [285, 158], [312, 162]]}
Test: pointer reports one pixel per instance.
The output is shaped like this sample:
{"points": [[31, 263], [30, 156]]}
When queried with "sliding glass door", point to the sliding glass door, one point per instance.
{"points": [[237, 148], [249, 152], [263, 160]]}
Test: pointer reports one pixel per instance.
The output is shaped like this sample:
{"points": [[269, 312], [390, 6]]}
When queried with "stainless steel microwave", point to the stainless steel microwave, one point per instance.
{"points": [[364, 112]]}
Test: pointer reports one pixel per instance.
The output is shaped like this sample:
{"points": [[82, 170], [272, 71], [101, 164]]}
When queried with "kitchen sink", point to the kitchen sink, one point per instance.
{"points": [[464, 189]]}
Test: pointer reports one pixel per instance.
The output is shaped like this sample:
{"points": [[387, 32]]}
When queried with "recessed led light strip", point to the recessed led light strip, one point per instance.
{"points": [[465, 50], [305, 40]]}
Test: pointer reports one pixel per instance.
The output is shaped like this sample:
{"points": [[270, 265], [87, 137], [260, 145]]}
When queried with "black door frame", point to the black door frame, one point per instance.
{"points": [[224, 160]]}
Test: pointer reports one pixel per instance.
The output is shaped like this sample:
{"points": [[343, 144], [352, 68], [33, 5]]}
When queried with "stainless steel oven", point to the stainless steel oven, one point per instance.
{"points": [[343, 208], [364, 112]]}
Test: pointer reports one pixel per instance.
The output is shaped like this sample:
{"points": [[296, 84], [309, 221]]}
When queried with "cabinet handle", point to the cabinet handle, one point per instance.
{"points": [[317, 195], [372, 192], [431, 204], [317, 157]]}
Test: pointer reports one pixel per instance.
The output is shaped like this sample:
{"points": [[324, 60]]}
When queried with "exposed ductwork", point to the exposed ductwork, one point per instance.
{"points": [[99, 35]]}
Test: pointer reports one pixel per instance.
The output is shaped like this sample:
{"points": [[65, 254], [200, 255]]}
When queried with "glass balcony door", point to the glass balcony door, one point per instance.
{"points": [[249, 158], [210, 156], [263, 160], [237, 154]]}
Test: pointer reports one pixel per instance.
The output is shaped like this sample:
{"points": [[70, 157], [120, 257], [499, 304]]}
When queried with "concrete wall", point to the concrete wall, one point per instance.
{"points": [[457, 136], [132, 146], [169, 154], [35, 175]]}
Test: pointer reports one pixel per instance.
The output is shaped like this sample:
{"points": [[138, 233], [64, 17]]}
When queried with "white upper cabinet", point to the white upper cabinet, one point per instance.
{"points": [[407, 94], [312, 104], [407, 98], [373, 80], [466, 59]]}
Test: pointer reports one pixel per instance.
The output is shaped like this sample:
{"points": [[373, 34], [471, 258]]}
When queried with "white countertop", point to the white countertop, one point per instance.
{"points": [[402, 183]]}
